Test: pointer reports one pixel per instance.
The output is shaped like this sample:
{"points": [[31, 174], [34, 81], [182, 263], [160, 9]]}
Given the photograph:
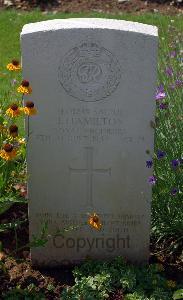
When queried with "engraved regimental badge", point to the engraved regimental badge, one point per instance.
{"points": [[89, 72]]}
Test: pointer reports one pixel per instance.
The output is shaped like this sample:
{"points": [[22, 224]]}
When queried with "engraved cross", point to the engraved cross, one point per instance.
{"points": [[89, 171]]}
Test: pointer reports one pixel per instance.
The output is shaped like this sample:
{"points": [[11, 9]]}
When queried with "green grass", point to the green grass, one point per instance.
{"points": [[167, 210], [11, 23]]}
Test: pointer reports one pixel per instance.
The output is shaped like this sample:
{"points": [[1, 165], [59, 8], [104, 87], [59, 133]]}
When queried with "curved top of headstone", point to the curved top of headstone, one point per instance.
{"points": [[92, 23]]}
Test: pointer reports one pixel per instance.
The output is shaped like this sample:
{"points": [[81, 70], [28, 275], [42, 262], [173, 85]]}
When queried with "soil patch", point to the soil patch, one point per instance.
{"points": [[108, 6]]}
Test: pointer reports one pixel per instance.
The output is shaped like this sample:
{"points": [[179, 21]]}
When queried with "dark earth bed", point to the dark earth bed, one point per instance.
{"points": [[108, 6]]}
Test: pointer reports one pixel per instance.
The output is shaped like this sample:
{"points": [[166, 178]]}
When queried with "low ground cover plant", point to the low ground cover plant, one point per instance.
{"points": [[97, 280]]}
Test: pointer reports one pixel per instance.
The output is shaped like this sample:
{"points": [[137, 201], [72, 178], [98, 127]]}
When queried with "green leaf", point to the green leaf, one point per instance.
{"points": [[13, 225], [178, 294], [12, 199]]}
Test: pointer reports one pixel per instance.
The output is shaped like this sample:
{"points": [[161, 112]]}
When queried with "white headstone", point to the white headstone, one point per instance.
{"points": [[93, 84]]}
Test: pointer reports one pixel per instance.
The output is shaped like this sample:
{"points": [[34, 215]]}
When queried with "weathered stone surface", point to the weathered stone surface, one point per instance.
{"points": [[93, 83]]}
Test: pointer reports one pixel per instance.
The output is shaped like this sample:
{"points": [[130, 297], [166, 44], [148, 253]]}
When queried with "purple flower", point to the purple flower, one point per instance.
{"points": [[172, 54], [160, 93], [149, 163], [161, 154], [174, 191], [163, 106], [169, 71], [152, 180], [175, 163], [179, 83]]}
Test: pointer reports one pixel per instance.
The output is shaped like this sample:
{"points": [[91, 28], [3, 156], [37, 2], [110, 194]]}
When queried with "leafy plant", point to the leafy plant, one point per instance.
{"points": [[178, 294], [97, 280], [29, 293]]}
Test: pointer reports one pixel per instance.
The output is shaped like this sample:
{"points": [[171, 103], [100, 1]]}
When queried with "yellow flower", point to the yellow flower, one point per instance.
{"points": [[14, 65], [94, 221], [171, 284], [8, 152], [24, 88], [29, 108], [13, 111], [13, 130], [21, 141], [2, 128]]}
